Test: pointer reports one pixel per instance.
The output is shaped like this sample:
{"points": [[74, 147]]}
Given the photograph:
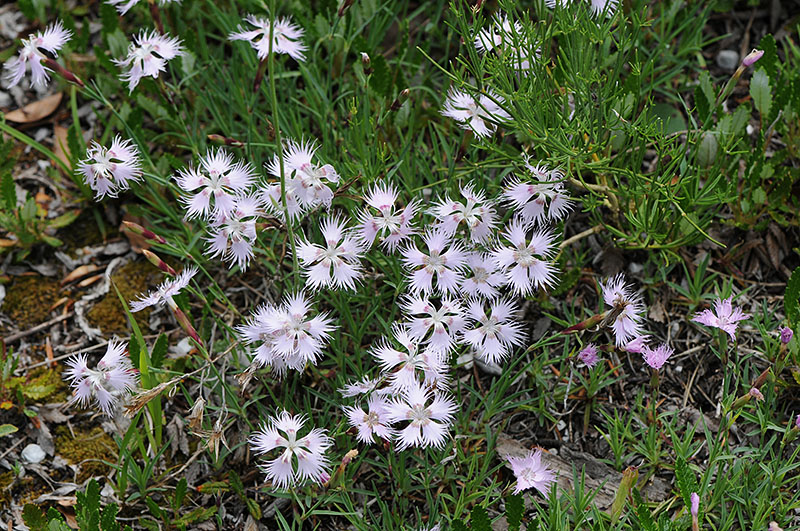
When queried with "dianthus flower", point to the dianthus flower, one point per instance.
{"points": [[232, 235], [50, 40], [363, 387], [607, 7], [531, 472], [375, 421], [148, 56], [482, 276], [657, 357], [435, 327], [476, 213], [636, 345], [271, 197], [541, 201], [428, 424], [165, 292], [627, 309], [479, 115], [508, 40], [215, 185], [493, 335], [727, 317], [301, 460], [310, 180], [113, 377], [334, 265], [786, 334], [109, 170], [409, 364], [286, 38], [524, 262], [124, 5], [391, 226], [589, 355], [443, 260]]}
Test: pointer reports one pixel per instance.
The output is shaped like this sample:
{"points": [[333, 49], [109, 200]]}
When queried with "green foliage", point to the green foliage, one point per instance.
{"points": [[89, 514], [791, 301]]}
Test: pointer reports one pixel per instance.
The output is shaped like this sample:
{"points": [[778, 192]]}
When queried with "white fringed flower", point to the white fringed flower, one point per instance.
{"points": [[337, 263], [52, 39], [287, 37], [480, 116], [109, 170], [113, 377], [148, 56]]}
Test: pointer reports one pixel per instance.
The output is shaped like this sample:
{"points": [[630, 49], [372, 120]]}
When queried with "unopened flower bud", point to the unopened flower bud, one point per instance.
{"points": [[154, 259], [755, 393], [232, 142], [345, 5], [695, 509], [786, 335], [401, 98], [63, 72], [144, 233], [365, 62], [752, 57]]}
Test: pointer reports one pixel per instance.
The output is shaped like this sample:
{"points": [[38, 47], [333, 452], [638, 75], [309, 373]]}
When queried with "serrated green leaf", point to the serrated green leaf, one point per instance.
{"points": [[33, 517], [701, 103], [8, 192], [791, 300], [380, 81], [196, 516], [479, 519], [180, 494], [159, 351], [515, 508], [7, 429], [769, 61], [687, 483], [533, 525], [38, 390], [459, 525], [761, 93], [643, 514], [108, 518]]}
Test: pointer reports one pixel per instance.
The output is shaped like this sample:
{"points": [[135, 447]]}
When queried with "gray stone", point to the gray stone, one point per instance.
{"points": [[33, 454], [728, 60]]}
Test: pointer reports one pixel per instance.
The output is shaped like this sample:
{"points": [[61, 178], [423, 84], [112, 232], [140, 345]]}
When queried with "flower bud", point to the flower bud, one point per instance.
{"points": [[154, 259], [63, 72], [755, 393], [232, 142], [752, 57], [365, 62], [695, 509], [401, 98], [786, 335], [144, 233], [345, 5]]}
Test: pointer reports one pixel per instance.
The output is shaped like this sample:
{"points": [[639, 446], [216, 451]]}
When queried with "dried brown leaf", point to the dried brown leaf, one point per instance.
{"points": [[33, 112], [61, 144]]}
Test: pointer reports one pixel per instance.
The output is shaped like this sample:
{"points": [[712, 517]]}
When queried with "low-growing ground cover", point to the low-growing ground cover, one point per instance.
{"points": [[399, 265]]}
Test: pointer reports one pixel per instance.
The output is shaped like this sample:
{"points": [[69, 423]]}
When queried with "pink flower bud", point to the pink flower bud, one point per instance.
{"points": [[695, 504], [786, 335], [755, 393], [752, 57]]}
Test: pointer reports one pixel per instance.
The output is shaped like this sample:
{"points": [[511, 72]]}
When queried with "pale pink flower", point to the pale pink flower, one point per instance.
{"points": [[727, 317], [335, 265], [636, 345], [480, 116], [695, 501], [287, 37], [300, 459], [148, 56], [309, 179], [751, 58], [531, 472], [107, 171], [756, 393], [215, 185], [482, 276], [428, 423], [476, 213], [124, 5], [375, 421], [540, 201], [407, 365], [786, 334], [391, 226], [493, 335], [657, 357], [271, 197], [52, 39], [443, 260], [231, 236], [589, 355], [256, 332], [508, 40], [112, 379], [525, 262], [165, 292], [627, 308], [435, 327]]}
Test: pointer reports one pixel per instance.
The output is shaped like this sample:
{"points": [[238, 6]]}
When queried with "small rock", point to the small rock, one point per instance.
{"points": [[728, 60], [33, 454], [489, 368], [5, 99]]}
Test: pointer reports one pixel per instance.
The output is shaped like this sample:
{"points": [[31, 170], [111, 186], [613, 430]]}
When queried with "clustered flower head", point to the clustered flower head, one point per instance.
{"points": [[544, 199], [107, 383], [286, 37], [530, 471], [148, 56], [725, 316], [52, 39], [657, 357], [109, 170], [480, 116]]}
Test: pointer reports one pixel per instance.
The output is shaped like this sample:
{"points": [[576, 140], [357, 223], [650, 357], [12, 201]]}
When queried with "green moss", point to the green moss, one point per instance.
{"points": [[29, 299], [87, 449], [132, 279], [6, 481]]}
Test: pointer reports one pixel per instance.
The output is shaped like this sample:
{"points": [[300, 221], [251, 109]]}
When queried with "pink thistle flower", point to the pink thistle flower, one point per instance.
{"points": [[308, 452], [443, 260], [232, 235], [391, 226], [286, 37], [336, 264], [113, 377], [123, 6], [589, 355], [486, 277], [309, 178], [479, 115], [493, 335], [52, 39], [657, 357], [524, 262], [148, 56], [298, 338], [165, 292], [530, 200], [531, 472], [375, 421], [217, 179], [508, 40], [475, 212], [627, 307], [106, 171], [436, 327], [428, 423], [404, 366], [727, 317]]}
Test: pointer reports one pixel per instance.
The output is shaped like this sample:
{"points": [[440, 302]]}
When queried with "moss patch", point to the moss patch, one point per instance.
{"points": [[29, 299], [6, 481], [88, 449], [132, 279], [83, 232]]}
